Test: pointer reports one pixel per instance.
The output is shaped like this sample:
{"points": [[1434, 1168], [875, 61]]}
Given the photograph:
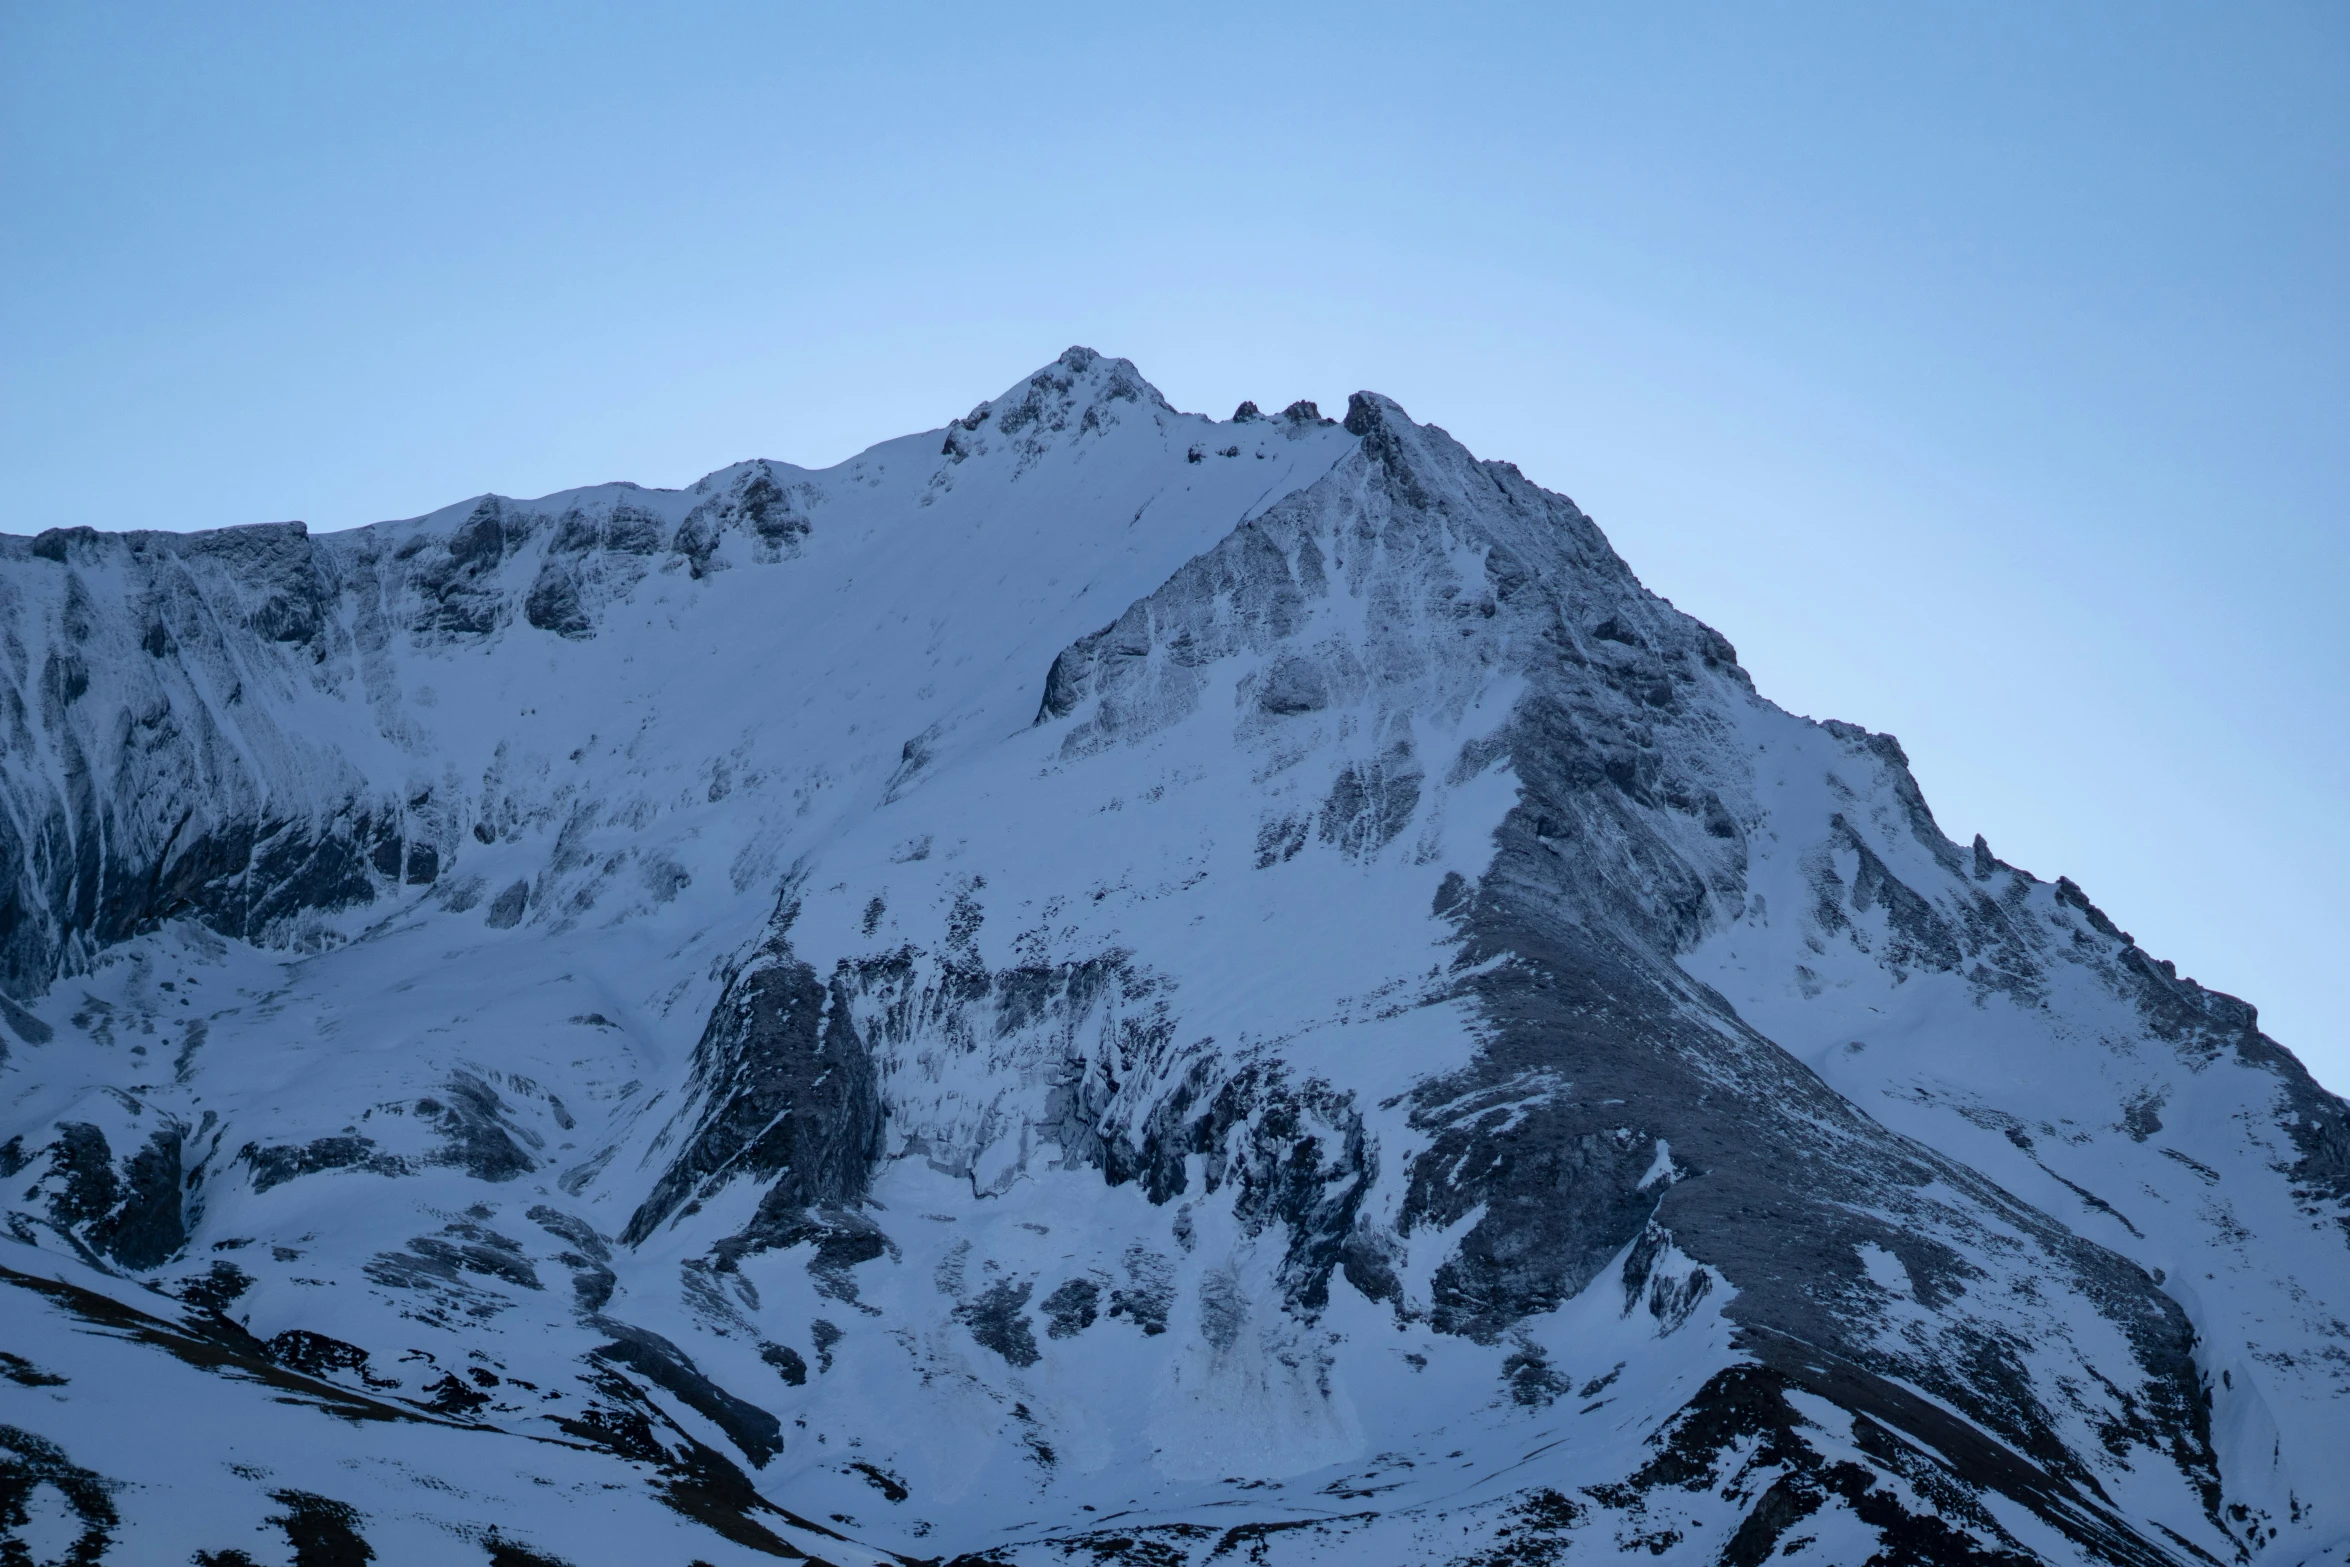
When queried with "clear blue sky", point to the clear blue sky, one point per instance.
{"points": [[1982, 371]]}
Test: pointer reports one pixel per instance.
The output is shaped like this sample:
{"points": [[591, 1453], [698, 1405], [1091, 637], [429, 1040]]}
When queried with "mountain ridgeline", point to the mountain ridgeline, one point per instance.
{"points": [[1092, 986]]}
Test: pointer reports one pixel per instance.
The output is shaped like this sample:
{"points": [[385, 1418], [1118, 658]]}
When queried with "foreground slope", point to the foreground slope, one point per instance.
{"points": [[1093, 985]]}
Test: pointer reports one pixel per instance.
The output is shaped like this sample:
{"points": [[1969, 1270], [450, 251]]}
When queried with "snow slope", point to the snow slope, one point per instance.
{"points": [[1095, 985]]}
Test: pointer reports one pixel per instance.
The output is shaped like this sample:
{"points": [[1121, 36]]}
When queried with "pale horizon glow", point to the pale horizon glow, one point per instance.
{"points": [[1985, 378]]}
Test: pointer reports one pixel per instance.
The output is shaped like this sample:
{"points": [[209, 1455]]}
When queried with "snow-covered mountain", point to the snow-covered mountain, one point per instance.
{"points": [[1096, 986]]}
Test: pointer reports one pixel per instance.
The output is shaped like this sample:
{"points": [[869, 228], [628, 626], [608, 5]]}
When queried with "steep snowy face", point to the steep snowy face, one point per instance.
{"points": [[1099, 985], [259, 729]]}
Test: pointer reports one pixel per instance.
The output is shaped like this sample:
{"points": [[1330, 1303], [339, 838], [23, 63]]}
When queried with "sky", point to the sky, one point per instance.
{"points": [[1982, 372]]}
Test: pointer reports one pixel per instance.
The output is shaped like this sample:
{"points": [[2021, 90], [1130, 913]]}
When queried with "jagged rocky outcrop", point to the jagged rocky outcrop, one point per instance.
{"points": [[1093, 985], [785, 1094]]}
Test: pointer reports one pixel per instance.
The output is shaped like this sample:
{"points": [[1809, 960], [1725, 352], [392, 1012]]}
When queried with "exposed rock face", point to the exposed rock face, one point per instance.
{"points": [[1092, 985], [785, 1094]]}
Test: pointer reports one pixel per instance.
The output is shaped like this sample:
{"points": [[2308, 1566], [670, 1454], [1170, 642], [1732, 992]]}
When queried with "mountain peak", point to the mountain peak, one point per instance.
{"points": [[1243, 978]]}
